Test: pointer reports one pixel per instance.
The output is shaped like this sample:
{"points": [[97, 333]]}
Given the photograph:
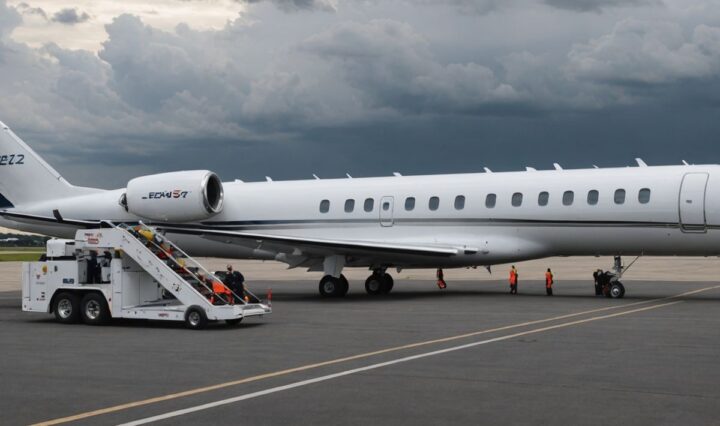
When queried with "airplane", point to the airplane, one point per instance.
{"points": [[432, 221]]}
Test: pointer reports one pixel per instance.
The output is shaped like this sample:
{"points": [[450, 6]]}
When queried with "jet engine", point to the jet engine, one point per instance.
{"points": [[175, 197]]}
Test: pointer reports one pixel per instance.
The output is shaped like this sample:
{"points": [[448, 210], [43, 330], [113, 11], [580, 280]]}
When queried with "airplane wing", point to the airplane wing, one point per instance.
{"points": [[317, 246], [56, 219]]}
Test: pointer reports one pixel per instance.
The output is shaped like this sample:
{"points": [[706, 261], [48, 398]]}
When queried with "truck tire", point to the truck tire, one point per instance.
{"points": [[195, 318], [67, 308], [94, 309]]}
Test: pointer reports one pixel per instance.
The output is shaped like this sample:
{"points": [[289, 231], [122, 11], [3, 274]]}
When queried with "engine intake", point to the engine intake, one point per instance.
{"points": [[175, 197]]}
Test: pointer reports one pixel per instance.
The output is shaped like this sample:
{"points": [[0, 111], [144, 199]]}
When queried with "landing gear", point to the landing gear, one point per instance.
{"points": [[333, 287], [379, 283], [608, 283]]}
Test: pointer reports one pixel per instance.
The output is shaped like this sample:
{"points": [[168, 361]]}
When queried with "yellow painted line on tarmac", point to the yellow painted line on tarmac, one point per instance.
{"points": [[285, 372]]}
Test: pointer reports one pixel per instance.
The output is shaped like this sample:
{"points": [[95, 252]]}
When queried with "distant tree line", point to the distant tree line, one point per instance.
{"points": [[18, 240]]}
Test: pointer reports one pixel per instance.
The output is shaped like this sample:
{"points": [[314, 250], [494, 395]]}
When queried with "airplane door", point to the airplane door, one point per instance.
{"points": [[387, 205], [692, 202]]}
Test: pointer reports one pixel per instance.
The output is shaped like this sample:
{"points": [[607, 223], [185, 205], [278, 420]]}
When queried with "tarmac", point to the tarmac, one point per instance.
{"points": [[470, 354]]}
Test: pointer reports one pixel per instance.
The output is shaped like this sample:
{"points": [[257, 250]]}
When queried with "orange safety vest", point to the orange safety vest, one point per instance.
{"points": [[219, 288], [548, 279], [513, 277]]}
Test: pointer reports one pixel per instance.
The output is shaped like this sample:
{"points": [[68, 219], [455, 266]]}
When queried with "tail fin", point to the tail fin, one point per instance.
{"points": [[24, 176]]}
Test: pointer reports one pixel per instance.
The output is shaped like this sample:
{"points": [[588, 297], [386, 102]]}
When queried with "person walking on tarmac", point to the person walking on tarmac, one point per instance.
{"points": [[513, 280], [441, 279], [549, 280]]}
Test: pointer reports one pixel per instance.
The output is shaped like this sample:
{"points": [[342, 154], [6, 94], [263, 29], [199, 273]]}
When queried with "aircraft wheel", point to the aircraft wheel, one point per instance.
{"points": [[617, 290], [374, 284], [345, 286], [387, 284], [195, 318], [67, 308], [331, 286], [94, 309]]}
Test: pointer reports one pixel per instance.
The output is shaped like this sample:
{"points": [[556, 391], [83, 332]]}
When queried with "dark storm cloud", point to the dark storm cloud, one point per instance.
{"points": [[422, 90], [70, 16], [298, 5], [597, 5]]}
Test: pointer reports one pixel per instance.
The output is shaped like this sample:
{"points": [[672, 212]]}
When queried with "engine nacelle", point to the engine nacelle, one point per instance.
{"points": [[177, 196]]}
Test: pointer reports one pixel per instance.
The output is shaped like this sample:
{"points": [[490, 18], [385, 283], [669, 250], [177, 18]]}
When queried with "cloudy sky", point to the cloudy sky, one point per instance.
{"points": [[107, 90]]}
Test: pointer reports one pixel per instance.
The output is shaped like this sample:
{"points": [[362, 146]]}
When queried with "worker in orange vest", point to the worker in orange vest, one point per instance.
{"points": [[549, 282], [513, 280], [441, 279], [221, 294]]}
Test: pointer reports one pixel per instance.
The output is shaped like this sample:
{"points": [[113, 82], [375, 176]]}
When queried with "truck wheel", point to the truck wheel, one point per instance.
{"points": [[67, 308], [195, 318], [94, 309]]}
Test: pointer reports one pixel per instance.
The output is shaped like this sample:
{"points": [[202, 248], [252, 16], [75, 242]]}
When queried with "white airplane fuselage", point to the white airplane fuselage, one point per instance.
{"points": [[669, 223]]}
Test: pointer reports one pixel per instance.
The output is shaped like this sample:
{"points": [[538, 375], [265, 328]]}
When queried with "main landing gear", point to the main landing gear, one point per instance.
{"points": [[333, 286], [379, 282]]}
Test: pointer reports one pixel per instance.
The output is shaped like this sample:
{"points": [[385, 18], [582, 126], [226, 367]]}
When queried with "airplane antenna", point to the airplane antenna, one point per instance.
{"points": [[487, 170], [268, 178], [315, 176], [640, 162], [530, 169], [685, 162], [348, 175], [396, 174], [596, 166], [239, 181], [557, 166]]}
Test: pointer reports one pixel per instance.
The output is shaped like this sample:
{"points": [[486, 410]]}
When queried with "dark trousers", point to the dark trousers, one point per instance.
{"points": [[549, 291], [513, 288]]}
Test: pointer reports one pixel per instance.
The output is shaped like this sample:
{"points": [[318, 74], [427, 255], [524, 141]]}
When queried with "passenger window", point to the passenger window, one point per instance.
{"points": [[543, 198], [593, 197], [324, 206], [459, 202], [568, 198], [517, 199], [620, 196], [386, 206], [410, 203], [349, 206], [490, 200], [644, 196], [369, 204], [434, 203]]}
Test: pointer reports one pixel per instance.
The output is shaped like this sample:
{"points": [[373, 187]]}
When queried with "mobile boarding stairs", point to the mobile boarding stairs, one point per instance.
{"points": [[129, 272]]}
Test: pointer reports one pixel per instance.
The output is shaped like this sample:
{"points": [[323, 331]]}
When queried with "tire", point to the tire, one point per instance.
{"points": [[387, 284], [67, 308], [330, 286], [374, 284], [345, 286], [94, 309], [195, 318], [617, 290], [234, 321]]}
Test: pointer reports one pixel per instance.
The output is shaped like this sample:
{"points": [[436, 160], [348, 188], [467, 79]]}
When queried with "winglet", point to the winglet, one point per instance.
{"points": [[640, 162], [487, 170], [557, 166]]}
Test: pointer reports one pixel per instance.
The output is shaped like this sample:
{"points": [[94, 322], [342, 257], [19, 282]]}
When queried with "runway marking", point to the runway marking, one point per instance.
{"points": [[285, 372], [252, 395]]}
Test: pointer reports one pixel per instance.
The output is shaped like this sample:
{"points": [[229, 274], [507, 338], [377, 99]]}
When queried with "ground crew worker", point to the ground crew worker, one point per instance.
{"points": [[549, 281], [236, 282], [221, 294], [441, 279], [597, 276], [513, 280]]}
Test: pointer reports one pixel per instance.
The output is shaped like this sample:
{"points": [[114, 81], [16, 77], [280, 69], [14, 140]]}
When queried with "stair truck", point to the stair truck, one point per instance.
{"points": [[124, 271]]}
